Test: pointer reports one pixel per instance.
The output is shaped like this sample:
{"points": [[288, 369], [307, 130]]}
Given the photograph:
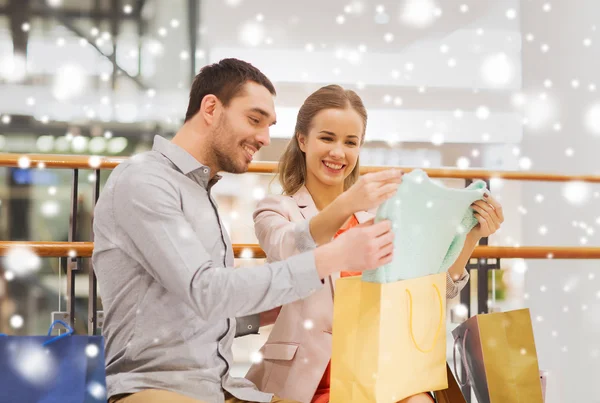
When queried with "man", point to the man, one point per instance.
{"points": [[164, 262]]}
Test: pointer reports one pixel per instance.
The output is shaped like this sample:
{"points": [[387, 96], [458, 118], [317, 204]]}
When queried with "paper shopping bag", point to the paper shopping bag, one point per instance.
{"points": [[388, 339], [499, 355], [48, 369], [452, 394]]}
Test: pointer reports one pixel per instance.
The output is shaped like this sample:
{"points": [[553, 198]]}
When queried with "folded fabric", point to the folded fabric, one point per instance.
{"points": [[430, 223]]}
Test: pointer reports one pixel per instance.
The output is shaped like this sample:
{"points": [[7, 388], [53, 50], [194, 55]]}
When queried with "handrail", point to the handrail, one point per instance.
{"points": [[85, 249], [83, 162]]}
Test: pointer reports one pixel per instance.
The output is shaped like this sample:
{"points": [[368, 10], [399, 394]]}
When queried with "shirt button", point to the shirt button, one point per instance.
{"points": [[205, 170], [249, 327]]}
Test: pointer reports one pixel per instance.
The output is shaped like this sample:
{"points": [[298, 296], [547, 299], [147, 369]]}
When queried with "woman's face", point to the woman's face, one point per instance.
{"points": [[332, 145]]}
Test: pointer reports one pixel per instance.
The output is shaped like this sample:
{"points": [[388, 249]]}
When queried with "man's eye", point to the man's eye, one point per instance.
{"points": [[254, 120]]}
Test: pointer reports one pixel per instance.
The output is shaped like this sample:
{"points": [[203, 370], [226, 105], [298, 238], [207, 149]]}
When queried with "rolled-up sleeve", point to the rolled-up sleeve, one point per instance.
{"points": [[277, 235], [453, 287], [156, 233]]}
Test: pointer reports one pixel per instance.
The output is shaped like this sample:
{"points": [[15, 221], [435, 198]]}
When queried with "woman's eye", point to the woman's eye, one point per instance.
{"points": [[254, 120]]}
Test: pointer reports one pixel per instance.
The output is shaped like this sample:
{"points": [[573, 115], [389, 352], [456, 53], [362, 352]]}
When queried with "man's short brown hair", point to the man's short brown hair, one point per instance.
{"points": [[225, 80]]}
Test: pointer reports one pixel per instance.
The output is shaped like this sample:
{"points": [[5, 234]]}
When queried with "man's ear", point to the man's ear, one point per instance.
{"points": [[302, 141], [209, 108]]}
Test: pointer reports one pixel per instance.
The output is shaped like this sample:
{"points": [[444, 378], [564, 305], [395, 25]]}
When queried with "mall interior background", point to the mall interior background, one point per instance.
{"points": [[493, 84]]}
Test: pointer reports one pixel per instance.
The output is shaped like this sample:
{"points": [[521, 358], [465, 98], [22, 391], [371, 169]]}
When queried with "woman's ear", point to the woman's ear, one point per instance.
{"points": [[301, 141]]}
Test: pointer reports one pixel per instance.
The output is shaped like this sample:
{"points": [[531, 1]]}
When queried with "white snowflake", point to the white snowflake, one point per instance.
{"points": [[576, 193], [97, 391], [463, 163], [50, 208], [525, 163], [22, 261], [437, 139], [33, 363], [482, 112], [461, 310], [92, 350], [256, 357]]}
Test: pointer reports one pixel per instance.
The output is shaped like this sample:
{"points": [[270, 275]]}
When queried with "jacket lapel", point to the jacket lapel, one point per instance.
{"points": [[305, 203]]}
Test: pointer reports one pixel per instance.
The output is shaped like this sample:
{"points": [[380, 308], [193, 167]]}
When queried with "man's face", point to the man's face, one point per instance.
{"points": [[242, 128]]}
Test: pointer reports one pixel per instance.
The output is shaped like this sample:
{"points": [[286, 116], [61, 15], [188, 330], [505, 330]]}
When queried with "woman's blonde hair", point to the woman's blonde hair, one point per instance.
{"points": [[292, 164]]}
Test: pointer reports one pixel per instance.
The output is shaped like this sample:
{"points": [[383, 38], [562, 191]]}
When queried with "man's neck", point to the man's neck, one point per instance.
{"points": [[194, 142]]}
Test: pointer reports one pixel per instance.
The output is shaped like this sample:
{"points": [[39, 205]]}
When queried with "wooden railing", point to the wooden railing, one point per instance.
{"points": [[253, 251], [485, 257], [87, 162]]}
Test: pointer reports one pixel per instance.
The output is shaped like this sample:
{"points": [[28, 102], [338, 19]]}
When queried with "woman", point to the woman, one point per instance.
{"points": [[323, 197]]}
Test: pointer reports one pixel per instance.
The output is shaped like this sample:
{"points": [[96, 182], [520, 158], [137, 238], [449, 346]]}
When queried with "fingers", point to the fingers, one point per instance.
{"points": [[497, 206], [387, 175], [487, 214], [491, 213], [384, 240], [386, 255], [386, 191], [379, 229], [483, 224], [366, 223]]}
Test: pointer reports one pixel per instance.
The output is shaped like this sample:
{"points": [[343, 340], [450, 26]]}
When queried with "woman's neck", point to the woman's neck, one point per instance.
{"points": [[323, 195]]}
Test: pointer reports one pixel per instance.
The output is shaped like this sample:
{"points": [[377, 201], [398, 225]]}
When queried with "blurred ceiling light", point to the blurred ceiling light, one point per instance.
{"points": [[97, 145], [127, 112], [61, 144], [497, 70], [419, 13], [79, 144], [592, 119], [69, 82], [116, 145], [54, 3], [13, 67], [252, 34], [45, 144]]}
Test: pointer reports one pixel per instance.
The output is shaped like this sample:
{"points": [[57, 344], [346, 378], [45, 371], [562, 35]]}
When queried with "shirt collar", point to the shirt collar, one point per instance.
{"points": [[184, 161]]}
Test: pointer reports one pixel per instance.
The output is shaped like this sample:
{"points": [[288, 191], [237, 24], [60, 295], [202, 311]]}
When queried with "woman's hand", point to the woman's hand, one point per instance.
{"points": [[490, 216], [371, 189]]}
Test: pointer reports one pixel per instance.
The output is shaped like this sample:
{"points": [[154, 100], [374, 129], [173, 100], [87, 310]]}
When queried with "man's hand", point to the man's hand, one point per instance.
{"points": [[364, 247]]}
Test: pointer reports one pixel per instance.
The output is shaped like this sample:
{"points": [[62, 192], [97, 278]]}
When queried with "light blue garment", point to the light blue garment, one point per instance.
{"points": [[430, 223]]}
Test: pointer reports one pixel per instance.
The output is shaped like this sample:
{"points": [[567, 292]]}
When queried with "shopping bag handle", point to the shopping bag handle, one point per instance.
{"points": [[70, 331], [464, 359], [410, 321]]}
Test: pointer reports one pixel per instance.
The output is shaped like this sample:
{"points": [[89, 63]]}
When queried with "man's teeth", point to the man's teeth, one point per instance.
{"points": [[333, 166], [250, 151]]}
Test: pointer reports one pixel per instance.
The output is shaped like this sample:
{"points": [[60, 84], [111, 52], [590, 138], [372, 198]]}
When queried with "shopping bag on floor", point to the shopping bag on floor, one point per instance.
{"points": [[499, 355], [52, 369], [388, 339]]}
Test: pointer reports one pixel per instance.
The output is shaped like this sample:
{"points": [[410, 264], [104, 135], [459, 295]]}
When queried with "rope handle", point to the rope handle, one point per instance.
{"points": [[464, 359], [410, 321], [70, 331]]}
